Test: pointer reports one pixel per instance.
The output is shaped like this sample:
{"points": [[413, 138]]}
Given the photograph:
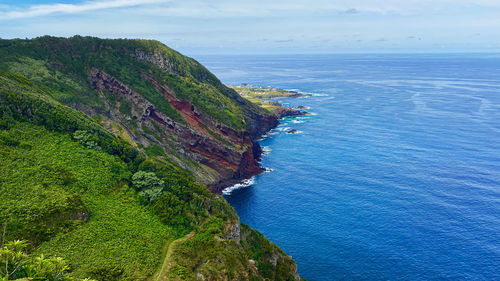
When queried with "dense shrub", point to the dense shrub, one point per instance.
{"points": [[102, 273], [87, 139], [148, 185]]}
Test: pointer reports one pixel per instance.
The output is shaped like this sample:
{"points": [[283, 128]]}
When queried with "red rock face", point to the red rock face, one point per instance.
{"points": [[234, 160]]}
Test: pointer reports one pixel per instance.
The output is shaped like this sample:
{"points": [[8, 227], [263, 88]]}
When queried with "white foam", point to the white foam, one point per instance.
{"points": [[243, 184], [295, 132], [267, 135], [298, 121], [266, 150]]}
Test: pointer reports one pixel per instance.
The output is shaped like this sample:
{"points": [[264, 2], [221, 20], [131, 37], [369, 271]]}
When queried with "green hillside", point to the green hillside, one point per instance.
{"points": [[134, 88], [115, 207], [63, 64]]}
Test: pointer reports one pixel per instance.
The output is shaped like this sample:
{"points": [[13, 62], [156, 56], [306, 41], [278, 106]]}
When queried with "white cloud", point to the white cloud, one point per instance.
{"points": [[223, 9], [58, 8], [255, 8], [191, 24]]}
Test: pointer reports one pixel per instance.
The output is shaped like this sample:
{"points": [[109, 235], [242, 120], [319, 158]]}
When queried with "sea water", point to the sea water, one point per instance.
{"points": [[395, 175]]}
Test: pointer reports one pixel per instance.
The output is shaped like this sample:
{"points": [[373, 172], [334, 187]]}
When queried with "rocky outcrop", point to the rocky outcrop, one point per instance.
{"points": [[234, 232], [156, 59], [286, 112], [278, 263]]}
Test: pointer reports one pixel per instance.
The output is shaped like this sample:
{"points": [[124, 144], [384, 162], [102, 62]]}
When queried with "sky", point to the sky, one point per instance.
{"points": [[268, 27]]}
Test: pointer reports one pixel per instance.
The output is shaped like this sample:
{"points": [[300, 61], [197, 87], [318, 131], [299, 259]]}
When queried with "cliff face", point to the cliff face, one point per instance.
{"points": [[231, 154], [154, 97]]}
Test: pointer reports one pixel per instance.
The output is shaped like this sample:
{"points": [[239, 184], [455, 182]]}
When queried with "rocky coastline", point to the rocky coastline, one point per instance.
{"points": [[264, 125]]}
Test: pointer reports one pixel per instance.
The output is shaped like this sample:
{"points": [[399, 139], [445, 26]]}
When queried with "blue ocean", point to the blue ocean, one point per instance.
{"points": [[395, 175]]}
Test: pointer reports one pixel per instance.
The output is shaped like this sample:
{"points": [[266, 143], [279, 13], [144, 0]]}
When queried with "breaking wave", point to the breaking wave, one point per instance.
{"points": [[243, 184]]}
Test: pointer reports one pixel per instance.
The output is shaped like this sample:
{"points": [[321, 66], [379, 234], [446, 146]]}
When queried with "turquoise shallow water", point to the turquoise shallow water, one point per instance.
{"points": [[396, 176]]}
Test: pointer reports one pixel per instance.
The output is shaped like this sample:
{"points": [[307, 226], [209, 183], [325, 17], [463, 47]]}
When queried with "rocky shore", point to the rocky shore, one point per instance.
{"points": [[263, 125]]}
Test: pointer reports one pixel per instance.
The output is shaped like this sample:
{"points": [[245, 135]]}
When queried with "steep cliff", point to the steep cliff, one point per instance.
{"points": [[152, 96], [106, 148]]}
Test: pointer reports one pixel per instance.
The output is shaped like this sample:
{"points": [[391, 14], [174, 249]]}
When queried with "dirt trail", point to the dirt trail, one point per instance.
{"points": [[162, 275]]}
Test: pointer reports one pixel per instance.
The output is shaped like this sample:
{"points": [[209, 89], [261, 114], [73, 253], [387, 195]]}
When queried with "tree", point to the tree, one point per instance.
{"points": [[148, 185], [13, 259], [15, 264]]}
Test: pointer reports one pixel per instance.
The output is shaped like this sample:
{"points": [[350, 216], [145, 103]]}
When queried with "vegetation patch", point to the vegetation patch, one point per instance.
{"points": [[87, 201], [249, 91]]}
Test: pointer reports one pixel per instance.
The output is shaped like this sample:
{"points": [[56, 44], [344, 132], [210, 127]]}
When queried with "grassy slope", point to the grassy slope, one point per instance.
{"points": [[265, 93], [226, 259], [259, 95], [124, 236], [265, 104], [51, 166]]}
